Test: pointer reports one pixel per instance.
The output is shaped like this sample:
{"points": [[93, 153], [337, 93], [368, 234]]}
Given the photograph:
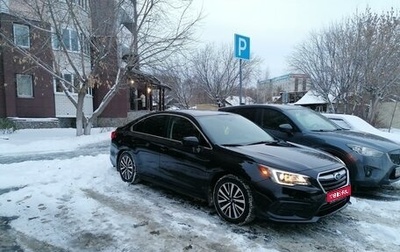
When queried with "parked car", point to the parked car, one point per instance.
{"points": [[233, 164], [352, 122], [372, 160]]}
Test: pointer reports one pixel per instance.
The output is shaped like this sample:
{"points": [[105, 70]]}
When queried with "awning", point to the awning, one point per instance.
{"points": [[144, 78]]}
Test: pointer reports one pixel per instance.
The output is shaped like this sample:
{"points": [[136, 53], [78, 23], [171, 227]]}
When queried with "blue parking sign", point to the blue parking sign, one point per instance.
{"points": [[242, 47]]}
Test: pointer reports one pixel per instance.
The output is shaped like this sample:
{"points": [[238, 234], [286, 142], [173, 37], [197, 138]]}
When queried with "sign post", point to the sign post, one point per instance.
{"points": [[242, 51]]}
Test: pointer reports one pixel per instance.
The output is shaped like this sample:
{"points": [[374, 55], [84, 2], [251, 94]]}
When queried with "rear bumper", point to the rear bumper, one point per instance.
{"points": [[113, 154]]}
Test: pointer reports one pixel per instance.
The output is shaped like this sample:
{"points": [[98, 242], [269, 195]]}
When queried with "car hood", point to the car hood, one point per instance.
{"points": [[357, 137], [291, 158]]}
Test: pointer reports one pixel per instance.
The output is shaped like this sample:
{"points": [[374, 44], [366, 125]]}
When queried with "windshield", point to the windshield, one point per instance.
{"points": [[230, 129], [341, 123], [313, 121]]}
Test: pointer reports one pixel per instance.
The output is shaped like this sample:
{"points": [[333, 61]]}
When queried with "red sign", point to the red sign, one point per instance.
{"points": [[338, 194]]}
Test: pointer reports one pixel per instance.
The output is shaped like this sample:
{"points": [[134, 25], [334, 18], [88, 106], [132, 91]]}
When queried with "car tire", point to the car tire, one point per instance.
{"points": [[233, 200], [127, 168]]}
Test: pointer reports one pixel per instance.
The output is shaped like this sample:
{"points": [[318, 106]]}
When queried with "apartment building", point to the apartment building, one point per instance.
{"points": [[27, 90]]}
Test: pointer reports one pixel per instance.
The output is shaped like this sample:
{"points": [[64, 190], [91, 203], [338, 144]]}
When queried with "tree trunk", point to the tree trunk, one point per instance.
{"points": [[372, 109], [79, 112], [88, 127]]}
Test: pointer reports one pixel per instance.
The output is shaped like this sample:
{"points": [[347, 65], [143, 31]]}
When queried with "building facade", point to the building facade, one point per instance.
{"points": [[27, 90], [287, 88]]}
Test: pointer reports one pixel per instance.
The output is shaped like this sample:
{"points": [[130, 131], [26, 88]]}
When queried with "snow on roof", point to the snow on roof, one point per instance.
{"points": [[311, 97], [235, 100]]}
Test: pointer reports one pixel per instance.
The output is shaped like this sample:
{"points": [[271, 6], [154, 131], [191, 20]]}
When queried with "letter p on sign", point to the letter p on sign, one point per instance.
{"points": [[242, 47]]}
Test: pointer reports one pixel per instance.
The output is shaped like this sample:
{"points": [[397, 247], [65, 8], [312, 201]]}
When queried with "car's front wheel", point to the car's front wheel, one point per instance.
{"points": [[233, 200], [127, 168]]}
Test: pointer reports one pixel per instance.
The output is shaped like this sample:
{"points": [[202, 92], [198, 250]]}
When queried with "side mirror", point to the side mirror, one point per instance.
{"points": [[190, 141], [286, 128]]}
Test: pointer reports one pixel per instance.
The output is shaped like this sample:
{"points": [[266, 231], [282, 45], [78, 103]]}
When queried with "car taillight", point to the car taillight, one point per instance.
{"points": [[113, 135]]}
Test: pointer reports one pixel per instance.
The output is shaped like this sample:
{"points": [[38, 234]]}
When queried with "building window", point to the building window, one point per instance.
{"points": [[21, 35], [58, 86], [304, 84], [82, 3], [72, 84], [85, 44], [71, 40], [24, 86], [55, 41]]}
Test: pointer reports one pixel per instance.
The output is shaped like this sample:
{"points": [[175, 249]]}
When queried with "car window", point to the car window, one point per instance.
{"points": [[182, 127], [232, 129], [271, 119], [310, 120], [153, 125], [249, 113]]}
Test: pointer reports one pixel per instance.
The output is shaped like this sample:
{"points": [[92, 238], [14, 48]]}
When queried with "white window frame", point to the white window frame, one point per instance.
{"points": [[86, 44], [72, 40], [72, 90], [27, 91], [22, 30]]}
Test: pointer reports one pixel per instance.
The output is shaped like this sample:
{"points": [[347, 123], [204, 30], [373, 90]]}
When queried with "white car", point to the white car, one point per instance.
{"points": [[356, 123]]}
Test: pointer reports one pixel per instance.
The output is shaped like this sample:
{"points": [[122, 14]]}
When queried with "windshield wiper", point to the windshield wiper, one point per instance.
{"points": [[232, 145], [265, 142], [323, 130]]}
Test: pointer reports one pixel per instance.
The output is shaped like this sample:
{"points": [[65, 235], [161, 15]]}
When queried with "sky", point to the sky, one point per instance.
{"points": [[81, 204], [275, 27]]}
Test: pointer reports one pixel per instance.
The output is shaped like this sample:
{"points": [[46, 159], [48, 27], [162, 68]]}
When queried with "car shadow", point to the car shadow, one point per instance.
{"points": [[383, 193]]}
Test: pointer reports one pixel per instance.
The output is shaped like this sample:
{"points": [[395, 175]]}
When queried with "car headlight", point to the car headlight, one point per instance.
{"points": [[284, 177], [365, 151]]}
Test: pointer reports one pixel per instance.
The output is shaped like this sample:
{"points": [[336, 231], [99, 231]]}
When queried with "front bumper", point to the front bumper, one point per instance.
{"points": [[301, 212], [296, 205], [374, 171]]}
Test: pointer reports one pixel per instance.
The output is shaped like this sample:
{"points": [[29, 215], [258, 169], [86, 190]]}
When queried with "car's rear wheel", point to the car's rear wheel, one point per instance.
{"points": [[233, 200], [127, 168]]}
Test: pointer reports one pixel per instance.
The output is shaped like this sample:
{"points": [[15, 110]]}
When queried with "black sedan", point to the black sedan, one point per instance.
{"points": [[372, 160], [233, 164]]}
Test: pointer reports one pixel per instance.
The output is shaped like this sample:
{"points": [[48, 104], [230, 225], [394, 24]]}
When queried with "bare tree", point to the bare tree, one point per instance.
{"points": [[327, 58], [217, 70], [355, 61], [177, 73], [379, 57], [149, 31], [160, 28]]}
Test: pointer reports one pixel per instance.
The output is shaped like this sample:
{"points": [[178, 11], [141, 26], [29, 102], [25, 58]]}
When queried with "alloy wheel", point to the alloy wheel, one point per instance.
{"points": [[231, 200]]}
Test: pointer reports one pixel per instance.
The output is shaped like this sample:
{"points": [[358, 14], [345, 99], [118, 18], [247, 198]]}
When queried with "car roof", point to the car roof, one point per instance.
{"points": [[357, 123], [339, 115], [278, 106], [193, 112]]}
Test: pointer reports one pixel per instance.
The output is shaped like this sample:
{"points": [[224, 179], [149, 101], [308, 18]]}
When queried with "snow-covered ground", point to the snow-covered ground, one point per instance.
{"points": [[81, 204]]}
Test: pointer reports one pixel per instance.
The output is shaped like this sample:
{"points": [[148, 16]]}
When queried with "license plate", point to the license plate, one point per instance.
{"points": [[338, 194], [397, 172]]}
